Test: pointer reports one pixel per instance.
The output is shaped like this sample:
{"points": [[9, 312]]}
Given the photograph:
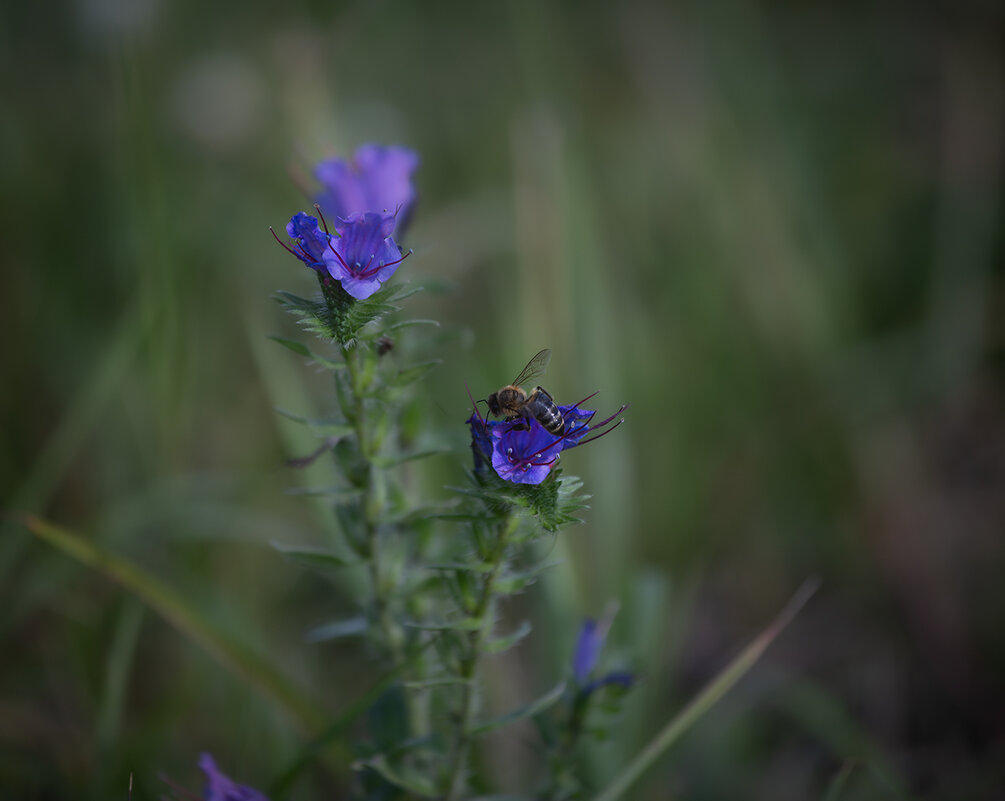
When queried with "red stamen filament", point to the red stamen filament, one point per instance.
{"points": [[584, 400], [381, 265], [284, 246], [602, 434], [321, 215]]}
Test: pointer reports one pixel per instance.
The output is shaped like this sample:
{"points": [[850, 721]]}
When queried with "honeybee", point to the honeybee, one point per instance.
{"points": [[512, 401]]}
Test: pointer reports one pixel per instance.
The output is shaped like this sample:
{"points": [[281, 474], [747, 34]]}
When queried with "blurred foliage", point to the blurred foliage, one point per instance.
{"points": [[774, 228]]}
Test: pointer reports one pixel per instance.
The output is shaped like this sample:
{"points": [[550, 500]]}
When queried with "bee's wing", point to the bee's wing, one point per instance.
{"points": [[535, 368]]}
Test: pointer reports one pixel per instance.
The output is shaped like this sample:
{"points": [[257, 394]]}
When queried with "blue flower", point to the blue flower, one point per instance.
{"points": [[219, 787], [377, 179], [523, 451], [311, 242], [361, 255], [588, 647], [481, 441]]}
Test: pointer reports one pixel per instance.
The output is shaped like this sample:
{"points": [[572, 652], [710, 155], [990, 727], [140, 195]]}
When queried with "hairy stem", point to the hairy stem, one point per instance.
{"points": [[372, 503], [484, 611]]}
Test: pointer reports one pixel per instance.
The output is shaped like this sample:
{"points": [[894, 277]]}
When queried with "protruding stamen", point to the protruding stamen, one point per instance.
{"points": [[321, 216], [368, 272], [282, 244], [602, 434], [584, 400]]}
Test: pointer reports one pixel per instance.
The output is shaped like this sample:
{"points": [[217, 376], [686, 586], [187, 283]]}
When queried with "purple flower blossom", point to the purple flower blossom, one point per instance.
{"points": [[523, 451], [588, 647], [377, 179], [361, 255], [219, 787], [481, 441], [311, 241]]}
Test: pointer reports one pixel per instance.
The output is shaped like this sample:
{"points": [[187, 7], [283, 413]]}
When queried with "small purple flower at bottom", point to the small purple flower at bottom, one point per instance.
{"points": [[377, 179], [523, 451], [219, 787], [588, 647]]}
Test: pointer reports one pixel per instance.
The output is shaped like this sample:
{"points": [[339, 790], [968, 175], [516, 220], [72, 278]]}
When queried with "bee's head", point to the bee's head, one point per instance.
{"points": [[493, 403]]}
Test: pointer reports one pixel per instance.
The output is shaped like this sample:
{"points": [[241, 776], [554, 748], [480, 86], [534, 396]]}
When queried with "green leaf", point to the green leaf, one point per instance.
{"points": [[331, 492], [500, 644], [448, 681], [410, 375], [338, 316], [464, 624], [319, 559], [399, 775], [511, 583], [297, 347], [234, 655], [330, 426], [387, 462], [707, 698], [466, 567], [535, 707], [336, 629], [302, 350], [411, 323]]}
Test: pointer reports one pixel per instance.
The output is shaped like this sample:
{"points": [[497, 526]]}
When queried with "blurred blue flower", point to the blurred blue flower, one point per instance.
{"points": [[523, 451], [588, 646], [584, 662], [377, 178], [219, 787]]}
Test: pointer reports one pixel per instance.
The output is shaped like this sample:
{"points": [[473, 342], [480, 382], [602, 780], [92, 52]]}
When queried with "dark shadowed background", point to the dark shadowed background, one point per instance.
{"points": [[775, 229]]}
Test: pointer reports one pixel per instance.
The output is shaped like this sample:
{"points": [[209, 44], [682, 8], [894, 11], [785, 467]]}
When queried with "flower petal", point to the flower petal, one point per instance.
{"points": [[312, 239], [220, 787]]}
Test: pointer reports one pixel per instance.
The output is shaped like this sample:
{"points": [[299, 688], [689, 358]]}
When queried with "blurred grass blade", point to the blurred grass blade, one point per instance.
{"points": [[233, 655], [118, 669], [708, 697], [837, 785]]}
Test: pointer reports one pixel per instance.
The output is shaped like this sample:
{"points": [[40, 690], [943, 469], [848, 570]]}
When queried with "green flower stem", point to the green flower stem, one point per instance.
{"points": [[374, 496], [457, 780]]}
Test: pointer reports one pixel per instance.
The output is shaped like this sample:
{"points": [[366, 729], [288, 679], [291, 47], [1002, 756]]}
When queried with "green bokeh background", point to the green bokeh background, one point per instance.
{"points": [[774, 228]]}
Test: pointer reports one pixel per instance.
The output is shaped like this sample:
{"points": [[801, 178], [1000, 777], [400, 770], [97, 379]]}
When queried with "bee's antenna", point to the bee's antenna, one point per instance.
{"points": [[474, 403]]}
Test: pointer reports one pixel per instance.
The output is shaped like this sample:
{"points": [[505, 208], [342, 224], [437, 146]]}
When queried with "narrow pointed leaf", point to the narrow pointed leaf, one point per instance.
{"points": [[414, 783], [315, 558], [297, 347], [323, 425], [412, 374], [500, 644], [535, 707], [351, 627], [411, 323]]}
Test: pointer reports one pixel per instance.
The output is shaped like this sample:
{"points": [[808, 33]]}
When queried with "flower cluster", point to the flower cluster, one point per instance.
{"points": [[369, 199], [523, 451]]}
